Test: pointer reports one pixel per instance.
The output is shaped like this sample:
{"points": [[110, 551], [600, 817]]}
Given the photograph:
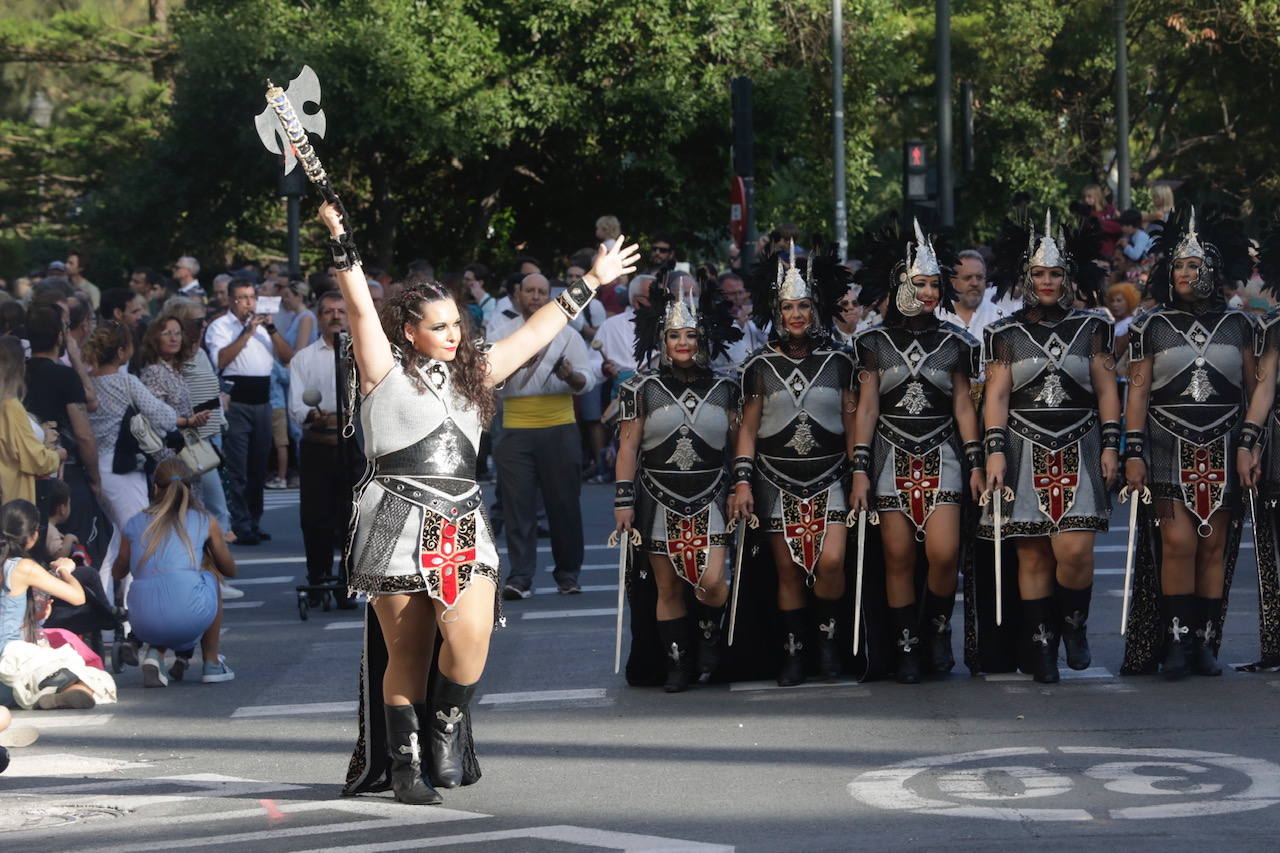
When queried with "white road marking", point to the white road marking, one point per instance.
{"points": [[569, 614], [1067, 674], [343, 626], [972, 784], [268, 561], [603, 588], [517, 698], [546, 549], [253, 581], [24, 765], [1120, 549], [288, 710], [752, 686], [241, 605], [43, 720], [575, 835]]}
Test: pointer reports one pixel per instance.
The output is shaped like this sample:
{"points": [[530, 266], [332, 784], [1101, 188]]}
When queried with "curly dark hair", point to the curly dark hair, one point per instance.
{"points": [[470, 366], [150, 351]]}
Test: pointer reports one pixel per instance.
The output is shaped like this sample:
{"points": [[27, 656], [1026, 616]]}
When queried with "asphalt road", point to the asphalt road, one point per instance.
{"points": [[575, 760]]}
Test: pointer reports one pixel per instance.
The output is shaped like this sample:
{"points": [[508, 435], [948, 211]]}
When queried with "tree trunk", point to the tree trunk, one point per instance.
{"points": [[161, 67], [386, 212]]}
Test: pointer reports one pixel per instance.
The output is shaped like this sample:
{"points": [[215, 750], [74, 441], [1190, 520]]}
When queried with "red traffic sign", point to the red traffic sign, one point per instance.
{"points": [[738, 209]]}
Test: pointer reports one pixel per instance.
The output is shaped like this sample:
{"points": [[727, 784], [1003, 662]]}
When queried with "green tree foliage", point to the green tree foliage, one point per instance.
{"points": [[463, 129]]}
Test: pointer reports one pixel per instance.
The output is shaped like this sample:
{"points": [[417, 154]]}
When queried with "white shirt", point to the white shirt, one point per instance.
{"points": [[540, 380], [984, 315], [617, 337], [312, 368], [255, 359], [504, 315]]}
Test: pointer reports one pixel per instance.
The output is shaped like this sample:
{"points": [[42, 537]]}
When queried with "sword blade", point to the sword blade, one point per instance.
{"points": [[737, 577], [1128, 563], [998, 512], [1253, 523], [624, 549], [857, 589]]}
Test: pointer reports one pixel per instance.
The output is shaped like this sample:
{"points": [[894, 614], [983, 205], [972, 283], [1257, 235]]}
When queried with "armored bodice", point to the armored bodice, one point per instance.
{"points": [[412, 433], [1197, 383], [915, 368], [686, 424], [801, 416], [1052, 400]]}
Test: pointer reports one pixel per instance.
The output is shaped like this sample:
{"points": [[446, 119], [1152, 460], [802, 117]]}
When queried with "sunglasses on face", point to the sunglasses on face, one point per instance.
{"points": [[666, 250]]}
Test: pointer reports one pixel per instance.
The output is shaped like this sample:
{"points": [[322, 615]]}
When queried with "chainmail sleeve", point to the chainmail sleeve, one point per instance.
{"points": [[753, 380], [999, 348], [1102, 337], [864, 351]]}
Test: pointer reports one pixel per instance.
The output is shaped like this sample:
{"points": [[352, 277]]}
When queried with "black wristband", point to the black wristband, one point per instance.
{"points": [[744, 467], [973, 452], [270, 327], [861, 458], [1250, 435], [343, 249], [1135, 441], [1111, 435], [624, 494], [994, 440]]}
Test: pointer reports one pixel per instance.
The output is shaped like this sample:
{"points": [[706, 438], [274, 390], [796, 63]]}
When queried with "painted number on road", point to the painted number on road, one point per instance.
{"points": [[1072, 783]]}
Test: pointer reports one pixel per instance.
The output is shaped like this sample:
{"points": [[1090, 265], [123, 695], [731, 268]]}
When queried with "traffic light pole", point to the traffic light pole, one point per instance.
{"points": [[946, 198], [1122, 108], [744, 162], [839, 182]]}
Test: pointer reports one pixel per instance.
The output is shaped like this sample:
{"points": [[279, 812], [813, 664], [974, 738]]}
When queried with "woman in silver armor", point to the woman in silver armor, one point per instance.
{"points": [[675, 424], [1050, 381], [796, 434], [420, 539], [1191, 371], [914, 410]]}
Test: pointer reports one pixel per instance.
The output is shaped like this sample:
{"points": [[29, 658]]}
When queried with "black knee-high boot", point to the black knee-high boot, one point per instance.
{"points": [[674, 634], [936, 628], [447, 710], [791, 672], [1073, 604], [827, 623], [708, 641], [1044, 639], [404, 748], [906, 639], [1208, 628], [1179, 613]]}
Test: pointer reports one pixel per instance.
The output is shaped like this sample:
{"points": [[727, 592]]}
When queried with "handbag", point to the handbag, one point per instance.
{"points": [[125, 459], [199, 454]]}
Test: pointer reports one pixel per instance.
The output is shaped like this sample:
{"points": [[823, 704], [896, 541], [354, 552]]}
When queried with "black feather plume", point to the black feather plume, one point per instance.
{"points": [[648, 320], [1269, 256]]}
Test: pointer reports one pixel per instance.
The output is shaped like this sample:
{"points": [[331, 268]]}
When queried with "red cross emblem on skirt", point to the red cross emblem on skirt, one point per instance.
{"points": [[1201, 478], [447, 560], [1058, 482], [686, 549], [917, 487], [808, 529]]}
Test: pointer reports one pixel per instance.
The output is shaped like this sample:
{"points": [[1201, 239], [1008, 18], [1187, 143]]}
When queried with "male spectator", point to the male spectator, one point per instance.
{"points": [[421, 269], [617, 335], [845, 320], [540, 451], [146, 283], [219, 302], [376, 293], [504, 313], [526, 265], [79, 324], [325, 487], [123, 307], [57, 293], [661, 250], [244, 345], [55, 393], [734, 289], [75, 274], [1134, 240], [186, 272], [973, 310]]}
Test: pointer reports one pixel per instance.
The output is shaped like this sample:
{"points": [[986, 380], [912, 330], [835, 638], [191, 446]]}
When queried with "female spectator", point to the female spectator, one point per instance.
{"points": [[12, 318], [124, 485], [1161, 204], [164, 351], [1122, 302], [1107, 215], [203, 388], [26, 450], [174, 602], [40, 676]]}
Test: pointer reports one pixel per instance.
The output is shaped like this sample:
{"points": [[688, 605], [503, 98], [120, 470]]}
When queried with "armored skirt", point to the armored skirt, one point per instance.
{"points": [[915, 457], [801, 458], [680, 502], [418, 526], [1054, 438]]}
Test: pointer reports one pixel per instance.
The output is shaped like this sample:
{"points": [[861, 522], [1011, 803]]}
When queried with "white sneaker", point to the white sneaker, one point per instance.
{"points": [[229, 592], [153, 670], [276, 483]]}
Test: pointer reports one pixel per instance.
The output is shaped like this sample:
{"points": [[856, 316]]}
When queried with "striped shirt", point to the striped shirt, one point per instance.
{"points": [[203, 385]]}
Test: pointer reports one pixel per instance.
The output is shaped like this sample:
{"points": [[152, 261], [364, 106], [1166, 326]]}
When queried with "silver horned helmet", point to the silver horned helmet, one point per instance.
{"points": [[682, 313], [790, 285], [1191, 247], [922, 261], [1043, 250]]}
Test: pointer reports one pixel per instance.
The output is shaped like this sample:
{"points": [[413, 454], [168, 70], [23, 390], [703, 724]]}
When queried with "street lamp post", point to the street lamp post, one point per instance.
{"points": [[840, 221], [1122, 108], [946, 198]]}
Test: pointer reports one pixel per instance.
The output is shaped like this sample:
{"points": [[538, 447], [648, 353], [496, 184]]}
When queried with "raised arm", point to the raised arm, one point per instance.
{"points": [[508, 354], [368, 341]]}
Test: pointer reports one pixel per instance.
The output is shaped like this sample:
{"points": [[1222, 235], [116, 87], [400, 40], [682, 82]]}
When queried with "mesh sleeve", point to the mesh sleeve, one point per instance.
{"points": [[1102, 338], [753, 380], [865, 352], [999, 347], [1137, 339]]}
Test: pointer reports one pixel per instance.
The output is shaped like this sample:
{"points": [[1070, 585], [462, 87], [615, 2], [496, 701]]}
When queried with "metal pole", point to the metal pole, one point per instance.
{"points": [[946, 199], [840, 221], [1122, 108]]}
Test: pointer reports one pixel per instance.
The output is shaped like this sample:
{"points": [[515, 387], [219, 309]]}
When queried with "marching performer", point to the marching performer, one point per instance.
{"points": [[793, 445], [671, 483], [420, 540], [1052, 431], [1191, 370], [914, 411]]}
